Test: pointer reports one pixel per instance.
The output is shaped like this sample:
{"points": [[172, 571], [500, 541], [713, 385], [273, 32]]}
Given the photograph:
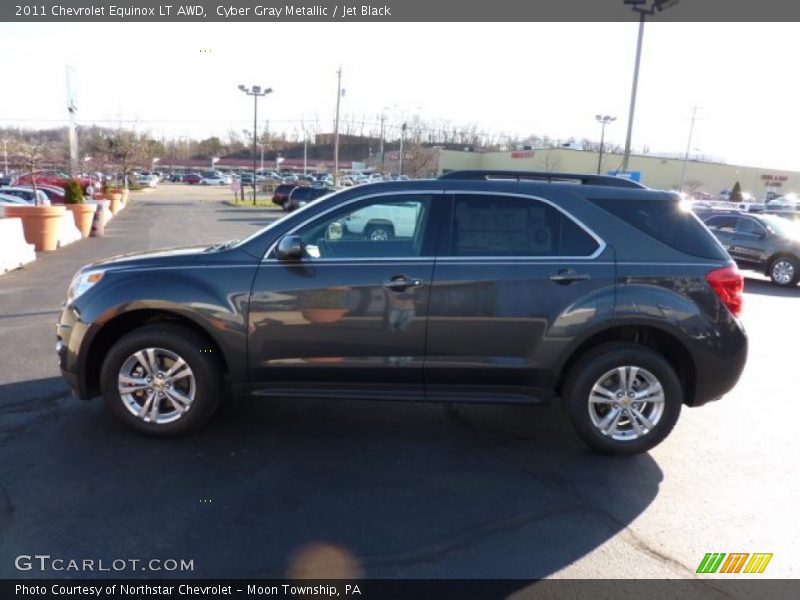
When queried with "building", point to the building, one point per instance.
{"points": [[653, 171]]}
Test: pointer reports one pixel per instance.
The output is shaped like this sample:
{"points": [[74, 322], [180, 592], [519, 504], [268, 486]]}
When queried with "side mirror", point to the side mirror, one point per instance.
{"points": [[289, 248]]}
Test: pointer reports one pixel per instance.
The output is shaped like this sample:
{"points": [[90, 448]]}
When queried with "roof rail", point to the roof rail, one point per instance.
{"points": [[584, 179]]}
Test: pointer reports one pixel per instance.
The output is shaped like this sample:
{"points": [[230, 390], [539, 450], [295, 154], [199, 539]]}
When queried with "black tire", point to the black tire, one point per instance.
{"points": [[194, 349], [795, 265], [385, 231], [592, 366]]}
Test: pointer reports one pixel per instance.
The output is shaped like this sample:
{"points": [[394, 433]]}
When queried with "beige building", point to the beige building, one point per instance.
{"points": [[656, 172]]}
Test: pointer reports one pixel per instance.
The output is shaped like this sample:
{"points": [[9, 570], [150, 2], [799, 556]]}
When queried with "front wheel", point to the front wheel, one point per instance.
{"points": [[622, 398], [784, 271], [162, 380]]}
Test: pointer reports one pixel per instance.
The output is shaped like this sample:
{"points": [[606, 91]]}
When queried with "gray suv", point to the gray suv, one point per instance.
{"points": [[481, 286]]}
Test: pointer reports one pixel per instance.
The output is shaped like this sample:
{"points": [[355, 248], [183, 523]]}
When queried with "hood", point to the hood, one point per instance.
{"points": [[167, 256]]}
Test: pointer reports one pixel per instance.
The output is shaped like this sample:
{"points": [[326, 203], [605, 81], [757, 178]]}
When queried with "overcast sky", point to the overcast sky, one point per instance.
{"points": [[177, 79]]}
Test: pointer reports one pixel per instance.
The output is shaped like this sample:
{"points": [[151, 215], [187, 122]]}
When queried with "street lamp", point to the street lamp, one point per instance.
{"points": [[153, 165], [5, 156], [256, 92], [644, 8], [603, 120]]}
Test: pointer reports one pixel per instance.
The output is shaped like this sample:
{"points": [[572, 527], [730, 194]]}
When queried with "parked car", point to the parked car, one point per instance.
{"points": [[56, 195], [147, 180], [8, 200], [764, 243], [215, 180], [5, 180], [26, 194], [56, 178], [605, 296], [303, 194], [192, 178], [281, 194]]}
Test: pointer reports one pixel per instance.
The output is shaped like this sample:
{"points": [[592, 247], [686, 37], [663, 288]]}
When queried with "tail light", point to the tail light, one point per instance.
{"points": [[728, 284]]}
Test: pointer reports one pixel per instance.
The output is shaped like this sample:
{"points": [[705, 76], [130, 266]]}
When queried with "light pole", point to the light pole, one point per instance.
{"points": [[402, 143], [644, 8], [5, 156], [153, 165], [603, 120], [688, 146], [339, 94], [256, 92]]}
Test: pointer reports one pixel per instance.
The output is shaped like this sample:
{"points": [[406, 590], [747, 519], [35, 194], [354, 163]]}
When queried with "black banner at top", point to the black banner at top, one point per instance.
{"points": [[395, 10]]}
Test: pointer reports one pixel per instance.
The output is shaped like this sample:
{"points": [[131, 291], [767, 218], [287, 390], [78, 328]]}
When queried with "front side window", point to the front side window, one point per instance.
{"points": [[488, 225], [749, 226], [382, 227]]}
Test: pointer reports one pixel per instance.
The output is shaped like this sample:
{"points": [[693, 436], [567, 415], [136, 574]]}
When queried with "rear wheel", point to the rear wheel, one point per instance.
{"points": [[784, 271], [162, 380], [622, 398]]}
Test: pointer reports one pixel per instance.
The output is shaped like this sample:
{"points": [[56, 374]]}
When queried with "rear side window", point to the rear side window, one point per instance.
{"points": [[498, 225], [667, 222]]}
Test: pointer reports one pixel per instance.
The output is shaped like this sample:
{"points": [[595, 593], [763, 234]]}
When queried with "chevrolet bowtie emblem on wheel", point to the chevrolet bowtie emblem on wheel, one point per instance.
{"points": [[741, 562]]}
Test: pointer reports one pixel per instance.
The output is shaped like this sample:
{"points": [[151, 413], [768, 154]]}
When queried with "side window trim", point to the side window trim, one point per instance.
{"points": [[269, 254], [601, 244]]}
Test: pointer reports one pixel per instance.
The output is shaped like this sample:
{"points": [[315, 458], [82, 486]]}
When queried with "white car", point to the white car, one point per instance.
{"points": [[26, 194], [147, 181], [8, 200], [215, 180], [384, 222]]}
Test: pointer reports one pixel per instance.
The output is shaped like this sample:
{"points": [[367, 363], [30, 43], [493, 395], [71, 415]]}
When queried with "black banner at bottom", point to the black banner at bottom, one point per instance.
{"points": [[380, 589]]}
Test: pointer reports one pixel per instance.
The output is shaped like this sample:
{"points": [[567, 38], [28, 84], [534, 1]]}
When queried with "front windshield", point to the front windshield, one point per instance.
{"points": [[299, 210], [783, 227]]}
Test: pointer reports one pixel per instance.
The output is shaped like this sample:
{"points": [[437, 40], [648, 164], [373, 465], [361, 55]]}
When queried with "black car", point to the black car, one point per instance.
{"points": [[302, 195], [760, 242], [491, 287]]}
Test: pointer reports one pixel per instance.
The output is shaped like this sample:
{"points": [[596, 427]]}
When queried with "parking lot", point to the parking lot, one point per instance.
{"points": [[316, 488]]}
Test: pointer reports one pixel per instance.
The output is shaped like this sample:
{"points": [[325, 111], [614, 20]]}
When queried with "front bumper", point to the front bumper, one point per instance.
{"points": [[71, 334]]}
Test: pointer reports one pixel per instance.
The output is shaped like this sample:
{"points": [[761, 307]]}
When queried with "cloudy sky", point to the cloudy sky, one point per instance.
{"points": [[549, 79]]}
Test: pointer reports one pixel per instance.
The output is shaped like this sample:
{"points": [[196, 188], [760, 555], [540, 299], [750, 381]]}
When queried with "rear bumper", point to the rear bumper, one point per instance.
{"points": [[718, 373]]}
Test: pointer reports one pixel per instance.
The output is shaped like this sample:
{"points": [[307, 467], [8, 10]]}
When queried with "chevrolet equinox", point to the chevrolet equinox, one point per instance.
{"points": [[479, 286]]}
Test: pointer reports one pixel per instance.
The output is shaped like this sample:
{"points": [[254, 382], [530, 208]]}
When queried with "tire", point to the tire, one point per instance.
{"points": [[784, 271], [629, 435], [379, 233], [202, 386]]}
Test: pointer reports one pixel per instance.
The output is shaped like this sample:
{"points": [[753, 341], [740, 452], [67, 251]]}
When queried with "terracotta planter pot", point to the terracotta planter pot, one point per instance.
{"points": [[324, 315], [125, 194], [40, 224], [83, 215], [116, 202], [98, 196]]}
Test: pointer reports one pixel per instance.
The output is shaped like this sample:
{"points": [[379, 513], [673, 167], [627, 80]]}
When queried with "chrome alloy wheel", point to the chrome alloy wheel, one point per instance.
{"points": [[626, 403], [379, 235], [783, 272], [156, 385]]}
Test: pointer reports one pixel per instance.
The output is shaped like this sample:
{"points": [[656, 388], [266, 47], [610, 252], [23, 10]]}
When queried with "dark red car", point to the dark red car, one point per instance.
{"points": [[55, 178], [192, 178], [281, 194]]}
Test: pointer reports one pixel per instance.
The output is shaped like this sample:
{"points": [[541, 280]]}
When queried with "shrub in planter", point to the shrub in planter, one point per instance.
{"points": [[82, 213]]}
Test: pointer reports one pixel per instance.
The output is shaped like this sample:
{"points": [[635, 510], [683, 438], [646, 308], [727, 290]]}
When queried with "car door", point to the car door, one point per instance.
{"points": [[349, 318], [724, 228], [749, 241], [516, 280]]}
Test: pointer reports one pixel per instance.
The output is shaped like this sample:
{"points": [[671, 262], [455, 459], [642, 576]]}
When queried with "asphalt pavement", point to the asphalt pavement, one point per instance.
{"points": [[377, 489]]}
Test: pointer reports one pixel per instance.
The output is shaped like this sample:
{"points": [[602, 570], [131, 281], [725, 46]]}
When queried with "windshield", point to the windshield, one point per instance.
{"points": [[300, 210], [781, 226]]}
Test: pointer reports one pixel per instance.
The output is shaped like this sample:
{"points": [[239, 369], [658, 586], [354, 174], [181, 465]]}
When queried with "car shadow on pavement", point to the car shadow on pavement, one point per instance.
{"points": [[765, 287], [321, 488]]}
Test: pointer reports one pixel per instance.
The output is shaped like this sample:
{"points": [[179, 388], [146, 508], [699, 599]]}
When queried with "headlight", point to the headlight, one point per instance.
{"points": [[82, 282]]}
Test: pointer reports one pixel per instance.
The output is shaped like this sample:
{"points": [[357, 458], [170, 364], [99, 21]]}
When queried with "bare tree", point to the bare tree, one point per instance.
{"points": [[34, 151]]}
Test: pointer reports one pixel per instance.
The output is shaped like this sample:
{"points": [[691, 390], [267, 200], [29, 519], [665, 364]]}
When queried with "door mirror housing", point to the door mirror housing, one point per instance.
{"points": [[289, 248]]}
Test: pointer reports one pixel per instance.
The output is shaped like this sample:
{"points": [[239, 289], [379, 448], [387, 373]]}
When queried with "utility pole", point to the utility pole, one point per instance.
{"points": [[383, 162], [402, 143], [336, 129], [688, 147], [72, 133], [603, 120]]}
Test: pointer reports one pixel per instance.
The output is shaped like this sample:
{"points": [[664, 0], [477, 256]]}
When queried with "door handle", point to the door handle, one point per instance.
{"points": [[400, 282], [567, 276]]}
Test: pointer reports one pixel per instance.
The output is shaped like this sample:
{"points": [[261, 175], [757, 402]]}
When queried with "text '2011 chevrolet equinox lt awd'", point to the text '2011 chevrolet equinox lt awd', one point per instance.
{"points": [[478, 286]]}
